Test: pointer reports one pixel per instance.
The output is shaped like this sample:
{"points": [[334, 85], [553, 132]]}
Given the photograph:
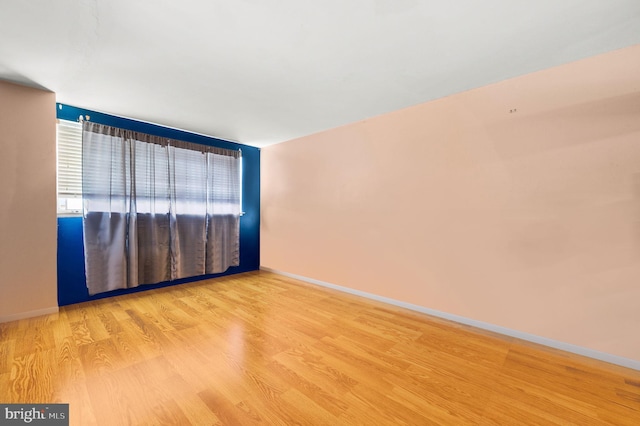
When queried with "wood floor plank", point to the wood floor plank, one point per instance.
{"points": [[7, 353], [315, 370], [426, 390], [329, 401], [193, 407], [383, 410], [225, 410], [306, 409], [434, 408], [32, 375], [264, 349], [81, 411]]}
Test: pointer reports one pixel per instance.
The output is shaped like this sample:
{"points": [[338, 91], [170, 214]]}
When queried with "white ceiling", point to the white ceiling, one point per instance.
{"points": [[265, 71]]}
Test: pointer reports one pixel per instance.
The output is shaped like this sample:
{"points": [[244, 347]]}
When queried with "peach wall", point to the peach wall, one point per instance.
{"points": [[28, 284], [528, 220]]}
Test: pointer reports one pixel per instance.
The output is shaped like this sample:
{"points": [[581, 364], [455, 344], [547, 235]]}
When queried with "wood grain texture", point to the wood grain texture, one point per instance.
{"points": [[260, 348]]}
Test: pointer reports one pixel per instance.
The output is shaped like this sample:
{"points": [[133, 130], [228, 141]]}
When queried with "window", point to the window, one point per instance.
{"points": [[69, 141], [154, 209], [69, 183]]}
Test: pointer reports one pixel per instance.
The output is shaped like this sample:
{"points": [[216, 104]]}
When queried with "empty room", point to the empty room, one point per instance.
{"points": [[368, 212]]}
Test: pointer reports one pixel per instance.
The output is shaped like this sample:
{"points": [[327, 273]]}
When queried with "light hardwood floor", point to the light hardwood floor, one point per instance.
{"points": [[260, 348]]}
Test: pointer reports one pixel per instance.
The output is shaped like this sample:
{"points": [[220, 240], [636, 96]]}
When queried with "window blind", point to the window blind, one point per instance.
{"points": [[69, 139]]}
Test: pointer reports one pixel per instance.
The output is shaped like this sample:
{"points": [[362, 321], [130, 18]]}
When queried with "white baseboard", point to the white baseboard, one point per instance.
{"points": [[602, 356], [29, 314]]}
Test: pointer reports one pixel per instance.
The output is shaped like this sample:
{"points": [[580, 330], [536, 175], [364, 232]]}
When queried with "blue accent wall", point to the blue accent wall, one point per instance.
{"points": [[72, 286]]}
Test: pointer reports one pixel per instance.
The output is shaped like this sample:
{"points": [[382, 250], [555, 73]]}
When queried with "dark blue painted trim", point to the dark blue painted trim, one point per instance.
{"points": [[71, 274]]}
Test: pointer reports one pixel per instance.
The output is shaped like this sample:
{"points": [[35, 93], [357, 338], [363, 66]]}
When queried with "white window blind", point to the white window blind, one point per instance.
{"points": [[69, 139]]}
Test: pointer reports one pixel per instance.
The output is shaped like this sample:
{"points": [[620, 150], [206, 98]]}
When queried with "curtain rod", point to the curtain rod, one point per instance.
{"points": [[82, 119]]}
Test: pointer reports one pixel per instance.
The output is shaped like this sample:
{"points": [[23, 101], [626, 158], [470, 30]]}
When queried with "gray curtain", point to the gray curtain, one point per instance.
{"points": [[155, 209], [223, 243]]}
